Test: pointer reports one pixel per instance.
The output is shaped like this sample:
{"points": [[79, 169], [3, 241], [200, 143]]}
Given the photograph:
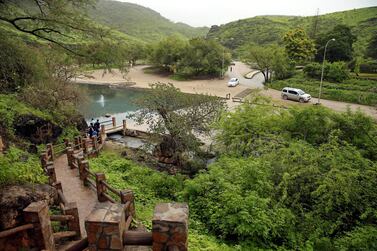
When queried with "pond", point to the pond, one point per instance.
{"points": [[102, 100]]}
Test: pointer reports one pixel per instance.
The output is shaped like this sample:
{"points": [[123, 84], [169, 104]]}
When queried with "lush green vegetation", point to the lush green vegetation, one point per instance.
{"points": [[140, 22], [296, 179], [197, 57], [356, 91], [263, 30], [19, 167]]}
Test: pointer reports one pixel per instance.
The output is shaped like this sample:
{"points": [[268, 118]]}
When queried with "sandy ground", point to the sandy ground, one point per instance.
{"points": [[217, 87]]}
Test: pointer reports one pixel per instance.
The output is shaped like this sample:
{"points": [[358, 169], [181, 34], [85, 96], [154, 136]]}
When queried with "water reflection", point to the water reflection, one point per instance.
{"points": [[103, 100]]}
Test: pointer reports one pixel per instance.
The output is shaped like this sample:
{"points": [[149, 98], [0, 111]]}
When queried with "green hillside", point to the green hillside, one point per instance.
{"points": [[269, 29], [140, 22]]}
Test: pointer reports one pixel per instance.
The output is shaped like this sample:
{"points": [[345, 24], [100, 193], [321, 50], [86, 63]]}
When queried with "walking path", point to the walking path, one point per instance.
{"points": [[74, 190]]}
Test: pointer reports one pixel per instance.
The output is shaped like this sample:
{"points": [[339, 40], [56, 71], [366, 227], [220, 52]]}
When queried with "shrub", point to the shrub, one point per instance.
{"points": [[336, 72]]}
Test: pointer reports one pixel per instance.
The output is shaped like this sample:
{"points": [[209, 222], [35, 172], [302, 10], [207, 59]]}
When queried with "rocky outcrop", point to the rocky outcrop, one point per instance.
{"points": [[37, 130], [13, 199]]}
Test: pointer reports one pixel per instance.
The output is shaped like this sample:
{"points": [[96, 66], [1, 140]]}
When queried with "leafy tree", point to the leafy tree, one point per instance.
{"points": [[299, 46], [338, 50], [168, 52], [266, 59], [203, 57], [372, 47], [180, 118], [58, 22]]}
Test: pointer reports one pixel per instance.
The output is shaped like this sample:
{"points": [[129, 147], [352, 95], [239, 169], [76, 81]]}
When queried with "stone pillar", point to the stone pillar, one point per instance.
{"points": [[103, 130], [124, 127], [95, 143], [105, 226], [73, 225], [125, 196], [37, 214], [101, 188], [170, 227], [114, 121]]}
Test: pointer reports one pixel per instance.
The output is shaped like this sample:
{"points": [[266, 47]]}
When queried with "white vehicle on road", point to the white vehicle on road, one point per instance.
{"points": [[233, 82], [295, 94]]}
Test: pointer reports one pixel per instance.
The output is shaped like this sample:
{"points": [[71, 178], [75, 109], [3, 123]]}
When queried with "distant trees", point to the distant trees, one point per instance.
{"points": [[196, 57], [340, 49], [334, 72], [270, 60], [298, 45], [372, 47]]}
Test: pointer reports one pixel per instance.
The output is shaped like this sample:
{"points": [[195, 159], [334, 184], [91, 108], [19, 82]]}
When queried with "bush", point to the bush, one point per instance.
{"points": [[19, 167], [336, 72], [370, 67]]}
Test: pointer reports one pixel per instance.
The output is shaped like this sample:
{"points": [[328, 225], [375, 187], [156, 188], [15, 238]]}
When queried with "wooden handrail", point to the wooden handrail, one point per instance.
{"points": [[15, 230], [128, 222], [108, 197], [61, 218], [136, 238], [80, 245], [66, 234], [62, 197], [117, 192]]}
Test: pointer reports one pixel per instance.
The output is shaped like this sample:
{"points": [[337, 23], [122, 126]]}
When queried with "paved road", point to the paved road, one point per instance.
{"points": [[240, 69]]}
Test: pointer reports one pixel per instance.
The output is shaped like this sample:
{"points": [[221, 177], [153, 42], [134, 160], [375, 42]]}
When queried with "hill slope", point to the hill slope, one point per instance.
{"points": [[269, 29], [140, 22]]}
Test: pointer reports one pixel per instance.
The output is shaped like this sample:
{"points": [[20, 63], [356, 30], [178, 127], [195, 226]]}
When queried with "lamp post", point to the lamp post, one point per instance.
{"points": [[323, 69]]}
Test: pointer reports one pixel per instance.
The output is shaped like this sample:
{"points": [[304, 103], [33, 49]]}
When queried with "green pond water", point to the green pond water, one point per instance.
{"points": [[104, 100]]}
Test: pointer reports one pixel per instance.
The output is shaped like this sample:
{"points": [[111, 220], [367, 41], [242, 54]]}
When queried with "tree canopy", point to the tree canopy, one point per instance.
{"points": [[338, 50], [298, 45]]}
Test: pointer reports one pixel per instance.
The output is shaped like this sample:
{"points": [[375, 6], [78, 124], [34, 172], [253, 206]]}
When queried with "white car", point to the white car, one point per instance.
{"points": [[233, 82], [295, 94]]}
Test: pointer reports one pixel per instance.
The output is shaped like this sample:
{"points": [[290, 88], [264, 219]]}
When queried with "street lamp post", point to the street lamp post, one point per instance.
{"points": [[323, 70]]}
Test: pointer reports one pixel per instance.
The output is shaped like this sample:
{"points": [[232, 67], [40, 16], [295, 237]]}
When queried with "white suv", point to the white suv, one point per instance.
{"points": [[295, 94]]}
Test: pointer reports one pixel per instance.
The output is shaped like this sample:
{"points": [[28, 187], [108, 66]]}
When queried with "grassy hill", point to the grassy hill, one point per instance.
{"points": [[269, 29], [140, 22]]}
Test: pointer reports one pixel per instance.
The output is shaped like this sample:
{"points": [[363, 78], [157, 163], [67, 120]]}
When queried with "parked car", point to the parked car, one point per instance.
{"points": [[295, 94], [233, 82]]}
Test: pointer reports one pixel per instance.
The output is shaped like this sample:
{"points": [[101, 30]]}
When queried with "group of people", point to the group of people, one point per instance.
{"points": [[94, 128]]}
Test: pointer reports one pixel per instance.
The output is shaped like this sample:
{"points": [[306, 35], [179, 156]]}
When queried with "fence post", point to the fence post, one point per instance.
{"points": [[170, 227], [50, 150], [70, 156], [83, 172], [124, 127], [114, 121], [44, 160], [51, 173], [101, 188], [95, 144], [73, 225], [66, 142], [77, 143], [37, 214], [103, 129], [85, 145], [125, 196]]}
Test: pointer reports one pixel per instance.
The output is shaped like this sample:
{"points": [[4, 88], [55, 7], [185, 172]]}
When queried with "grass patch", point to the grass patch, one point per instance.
{"points": [[358, 91]]}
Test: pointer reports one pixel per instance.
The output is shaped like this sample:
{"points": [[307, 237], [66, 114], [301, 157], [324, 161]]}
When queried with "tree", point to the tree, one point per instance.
{"points": [[179, 118], [203, 57], [266, 59], [338, 50], [372, 47], [168, 52], [299, 46]]}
